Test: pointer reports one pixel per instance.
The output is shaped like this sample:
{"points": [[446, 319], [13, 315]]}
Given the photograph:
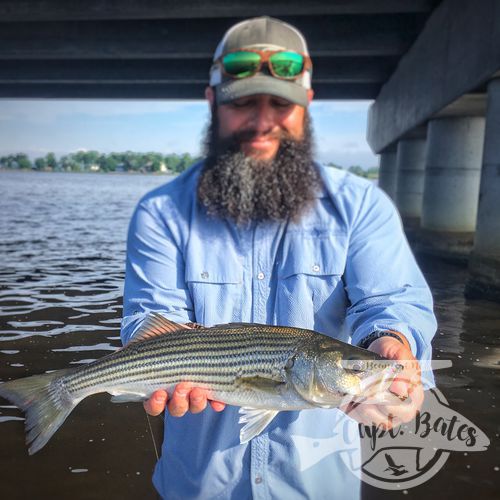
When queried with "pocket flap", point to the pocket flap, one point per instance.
{"points": [[316, 257]]}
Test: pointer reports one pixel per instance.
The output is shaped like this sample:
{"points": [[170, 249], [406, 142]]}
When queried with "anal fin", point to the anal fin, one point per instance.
{"points": [[127, 397], [255, 421]]}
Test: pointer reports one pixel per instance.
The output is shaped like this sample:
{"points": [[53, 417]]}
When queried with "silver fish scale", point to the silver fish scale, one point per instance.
{"points": [[213, 357]]}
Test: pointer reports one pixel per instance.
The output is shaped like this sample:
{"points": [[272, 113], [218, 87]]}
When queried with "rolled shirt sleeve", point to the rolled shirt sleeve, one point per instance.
{"points": [[154, 276], [385, 286]]}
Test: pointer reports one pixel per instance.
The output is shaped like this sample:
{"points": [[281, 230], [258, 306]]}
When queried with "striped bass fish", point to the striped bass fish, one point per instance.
{"points": [[263, 369]]}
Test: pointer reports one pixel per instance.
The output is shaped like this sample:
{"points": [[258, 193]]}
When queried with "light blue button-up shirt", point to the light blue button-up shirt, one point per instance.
{"points": [[344, 270]]}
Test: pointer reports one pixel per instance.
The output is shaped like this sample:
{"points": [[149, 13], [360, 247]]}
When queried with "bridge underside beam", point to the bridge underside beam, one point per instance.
{"points": [[337, 78], [363, 35], [456, 53], [331, 70], [153, 49], [93, 10]]}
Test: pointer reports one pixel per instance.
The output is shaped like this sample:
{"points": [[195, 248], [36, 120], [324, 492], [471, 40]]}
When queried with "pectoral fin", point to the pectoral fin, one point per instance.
{"points": [[260, 383], [255, 422]]}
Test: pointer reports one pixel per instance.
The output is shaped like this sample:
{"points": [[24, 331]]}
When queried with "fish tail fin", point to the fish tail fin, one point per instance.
{"points": [[45, 402]]}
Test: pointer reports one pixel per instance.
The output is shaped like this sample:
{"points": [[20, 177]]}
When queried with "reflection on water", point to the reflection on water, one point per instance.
{"points": [[62, 251]]}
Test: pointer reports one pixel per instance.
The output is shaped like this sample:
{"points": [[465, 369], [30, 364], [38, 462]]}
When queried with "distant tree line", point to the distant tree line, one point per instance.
{"points": [[93, 161], [370, 173]]}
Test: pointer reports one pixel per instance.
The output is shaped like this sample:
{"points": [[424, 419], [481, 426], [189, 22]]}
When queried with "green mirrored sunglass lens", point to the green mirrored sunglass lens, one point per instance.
{"points": [[287, 64], [241, 64]]}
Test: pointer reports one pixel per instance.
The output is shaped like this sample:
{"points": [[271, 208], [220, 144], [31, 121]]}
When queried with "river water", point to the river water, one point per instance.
{"points": [[62, 253]]}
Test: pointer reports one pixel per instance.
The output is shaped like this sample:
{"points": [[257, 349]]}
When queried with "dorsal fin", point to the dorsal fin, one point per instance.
{"points": [[194, 326], [156, 325]]}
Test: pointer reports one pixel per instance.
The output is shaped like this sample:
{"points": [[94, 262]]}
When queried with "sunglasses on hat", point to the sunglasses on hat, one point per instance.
{"points": [[284, 64]]}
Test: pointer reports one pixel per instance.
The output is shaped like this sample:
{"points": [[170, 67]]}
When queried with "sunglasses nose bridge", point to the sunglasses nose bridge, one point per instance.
{"points": [[264, 64], [265, 68]]}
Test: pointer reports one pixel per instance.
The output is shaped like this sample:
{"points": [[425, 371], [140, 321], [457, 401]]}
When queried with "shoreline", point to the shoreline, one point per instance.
{"points": [[125, 172], [97, 172]]}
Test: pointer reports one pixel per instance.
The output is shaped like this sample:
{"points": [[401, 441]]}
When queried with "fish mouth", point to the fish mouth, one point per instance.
{"points": [[374, 387], [380, 381]]}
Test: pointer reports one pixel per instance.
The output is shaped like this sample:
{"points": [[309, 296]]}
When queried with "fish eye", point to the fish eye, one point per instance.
{"points": [[356, 365], [289, 364]]}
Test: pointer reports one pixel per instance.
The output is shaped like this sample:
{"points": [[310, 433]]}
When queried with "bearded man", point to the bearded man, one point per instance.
{"points": [[259, 232]]}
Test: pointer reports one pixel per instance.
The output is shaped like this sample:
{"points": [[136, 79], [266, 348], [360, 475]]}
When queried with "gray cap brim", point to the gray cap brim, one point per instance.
{"points": [[261, 84]]}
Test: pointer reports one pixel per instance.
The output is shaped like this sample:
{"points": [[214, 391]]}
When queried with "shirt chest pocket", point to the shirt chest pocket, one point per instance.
{"points": [[321, 255], [310, 278], [214, 279]]}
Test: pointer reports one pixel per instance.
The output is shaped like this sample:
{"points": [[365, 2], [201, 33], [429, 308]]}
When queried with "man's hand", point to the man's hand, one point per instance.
{"points": [[407, 386], [184, 398]]}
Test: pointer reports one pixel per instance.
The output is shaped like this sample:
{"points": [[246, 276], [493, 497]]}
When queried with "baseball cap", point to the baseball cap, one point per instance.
{"points": [[262, 33]]}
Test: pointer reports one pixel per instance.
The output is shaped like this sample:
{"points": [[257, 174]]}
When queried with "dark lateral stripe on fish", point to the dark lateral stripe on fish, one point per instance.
{"points": [[207, 377], [198, 345], [204, 347], [208, 343], [215, 365], [221, 351], [227, 356], [179, 375], [231, 354], [150, 372], [225, 335], [228, 352]]}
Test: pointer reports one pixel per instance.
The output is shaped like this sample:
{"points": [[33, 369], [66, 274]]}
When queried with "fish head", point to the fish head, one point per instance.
{"points": [[329, 371]]}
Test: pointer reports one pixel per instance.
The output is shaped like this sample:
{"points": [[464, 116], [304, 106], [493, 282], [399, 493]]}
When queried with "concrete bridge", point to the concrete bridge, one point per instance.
{"points": [[432, 67]]}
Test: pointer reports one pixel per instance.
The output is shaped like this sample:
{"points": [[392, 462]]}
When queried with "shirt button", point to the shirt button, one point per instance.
{"points": [[204, 275], [316, 268], [260, 276], [258, 480]]}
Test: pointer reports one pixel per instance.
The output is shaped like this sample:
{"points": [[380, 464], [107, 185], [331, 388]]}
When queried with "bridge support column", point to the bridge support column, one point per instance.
{"points": [[410, 181], [484, 265], [451, 187], [387, 177]]}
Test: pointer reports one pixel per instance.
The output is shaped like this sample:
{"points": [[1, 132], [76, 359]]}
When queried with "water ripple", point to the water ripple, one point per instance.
{"points": [[79, 348]]}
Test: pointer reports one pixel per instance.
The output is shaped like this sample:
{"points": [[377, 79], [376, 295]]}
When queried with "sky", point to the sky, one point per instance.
{"points": [[36, 127]]}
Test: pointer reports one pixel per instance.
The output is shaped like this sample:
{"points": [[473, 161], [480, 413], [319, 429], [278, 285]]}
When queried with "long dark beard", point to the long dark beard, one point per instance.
{"points": [[243, 189]]}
